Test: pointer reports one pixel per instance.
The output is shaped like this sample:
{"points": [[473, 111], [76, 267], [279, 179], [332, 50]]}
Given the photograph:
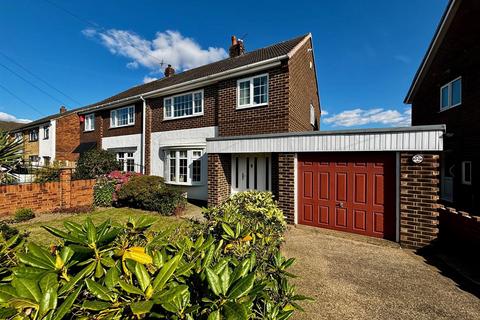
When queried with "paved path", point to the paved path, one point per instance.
{"points": [[353, 277]]}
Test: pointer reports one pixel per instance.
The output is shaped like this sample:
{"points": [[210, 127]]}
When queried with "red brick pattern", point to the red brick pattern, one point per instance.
{"points": [[45, 197], [419, 187], [121, 131], [303, 90], [67, 136], [219, 178], [286, 185]]}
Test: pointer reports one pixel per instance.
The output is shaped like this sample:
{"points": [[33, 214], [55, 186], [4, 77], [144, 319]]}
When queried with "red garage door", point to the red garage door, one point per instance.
{"points": [[351, 192]]}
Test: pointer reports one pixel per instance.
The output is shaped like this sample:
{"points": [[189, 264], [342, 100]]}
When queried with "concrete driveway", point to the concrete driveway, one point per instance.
{"points": [[354, 277]]}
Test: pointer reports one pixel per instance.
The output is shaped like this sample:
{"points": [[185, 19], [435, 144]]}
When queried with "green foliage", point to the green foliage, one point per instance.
{"points": [[103, 192], [10, 157], [95, 163], [48, 174], [110, 272], [150, 193], [7, 231], [23, 214]]}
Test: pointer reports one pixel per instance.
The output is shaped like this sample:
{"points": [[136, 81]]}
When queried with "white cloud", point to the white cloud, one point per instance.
{"points": [[9, 117], [148, 79], [171, 47], [374, 116], [324, 112]]}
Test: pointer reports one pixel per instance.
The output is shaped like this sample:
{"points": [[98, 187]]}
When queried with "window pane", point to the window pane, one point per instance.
{"points": [[444, 102], [130, 165], [196, 170], [260, 88], [197, 154], [244, 91], [183, 105], [198, 102], [182, 170], [173, 170], [168, 108], [456, 92]]}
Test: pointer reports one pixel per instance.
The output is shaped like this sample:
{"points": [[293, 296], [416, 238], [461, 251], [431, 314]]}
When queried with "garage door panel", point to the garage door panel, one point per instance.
{"points": [[352, 192], [324, 215], [341, 183]]}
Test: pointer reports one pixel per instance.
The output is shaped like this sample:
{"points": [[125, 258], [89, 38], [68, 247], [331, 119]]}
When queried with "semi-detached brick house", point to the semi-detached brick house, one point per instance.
{"points": [[250, 122], [161, 127], [446, 90], [49, 139]]}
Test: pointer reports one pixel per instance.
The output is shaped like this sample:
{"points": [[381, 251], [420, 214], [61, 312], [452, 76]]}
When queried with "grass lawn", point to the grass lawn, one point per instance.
{"points": [[117, 215]]}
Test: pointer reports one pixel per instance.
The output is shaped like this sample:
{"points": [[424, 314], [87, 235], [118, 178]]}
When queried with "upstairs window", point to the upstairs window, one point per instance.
{"points": [[90, 122], [33, 135], [122, 117], [46, 132], [183, 105], [252, 92], [451, 94], [467, 172]]}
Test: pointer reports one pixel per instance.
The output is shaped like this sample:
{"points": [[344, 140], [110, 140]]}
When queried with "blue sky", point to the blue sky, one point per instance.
{"points": [[366, 52]]}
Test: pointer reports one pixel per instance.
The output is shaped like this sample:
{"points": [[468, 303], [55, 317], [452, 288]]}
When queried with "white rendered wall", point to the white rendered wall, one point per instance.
{"points": [[127, 143], [46, 147]]}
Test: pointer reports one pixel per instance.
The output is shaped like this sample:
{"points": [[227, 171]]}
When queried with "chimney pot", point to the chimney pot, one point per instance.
{"points": [[234, 40], [237, 48], [169, 71], [63, 109]]}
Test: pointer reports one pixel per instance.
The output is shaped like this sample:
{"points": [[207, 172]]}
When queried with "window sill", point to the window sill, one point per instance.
{"points": [[184, 117], [90, 130], [448, 108], [124, 126], [251, 106], [185, 184]]}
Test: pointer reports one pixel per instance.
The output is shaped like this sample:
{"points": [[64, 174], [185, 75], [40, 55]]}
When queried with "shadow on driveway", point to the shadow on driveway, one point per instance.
{"points": [[355, 277]]}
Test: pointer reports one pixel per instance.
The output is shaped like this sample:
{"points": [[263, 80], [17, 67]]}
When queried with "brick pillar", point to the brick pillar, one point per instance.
{"points": [[419, 195], [219, 177], [65, 187], [286, 185]]}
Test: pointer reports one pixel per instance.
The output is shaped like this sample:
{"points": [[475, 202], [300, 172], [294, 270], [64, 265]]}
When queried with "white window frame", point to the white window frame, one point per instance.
{"points": [[90, 121], [125, 159], [252, 104], [464, 176], [114, 119], [46, 132], [171, 98], [312, 115], [449, 86], [190, 159], [30, 135]]}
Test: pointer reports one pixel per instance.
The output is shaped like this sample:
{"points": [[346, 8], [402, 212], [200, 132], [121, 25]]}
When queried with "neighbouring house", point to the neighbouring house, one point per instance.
{"points": [[52, 138], [446, 90], [161, 127]]}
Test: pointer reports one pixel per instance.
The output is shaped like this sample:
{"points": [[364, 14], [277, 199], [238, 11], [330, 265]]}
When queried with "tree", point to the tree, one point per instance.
{"points": [[10, 157], [94, 163]]}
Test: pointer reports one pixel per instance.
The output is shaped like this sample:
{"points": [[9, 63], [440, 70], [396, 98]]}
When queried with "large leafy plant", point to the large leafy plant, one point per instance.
{"points": [[108, 271], [10, 157]]}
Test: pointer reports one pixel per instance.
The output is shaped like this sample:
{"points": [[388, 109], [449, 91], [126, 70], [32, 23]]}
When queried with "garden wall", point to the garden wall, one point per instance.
{"points": [[459, 229], [45, 197]]}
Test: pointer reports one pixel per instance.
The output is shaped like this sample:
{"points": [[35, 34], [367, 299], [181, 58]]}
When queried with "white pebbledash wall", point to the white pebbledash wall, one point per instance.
{"points": [[127, 143], [46, 147], [194, 138]]}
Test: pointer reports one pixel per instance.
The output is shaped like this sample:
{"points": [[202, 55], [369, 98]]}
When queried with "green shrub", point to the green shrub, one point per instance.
{"points": [[95, 163], [23, 214], [7, 231], [246, 215], [150, 193], [111, 272], [48, 174], [103, 192]]}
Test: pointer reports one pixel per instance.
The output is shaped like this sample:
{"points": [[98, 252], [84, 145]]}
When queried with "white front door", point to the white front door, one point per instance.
{"points": [[251, 172]]}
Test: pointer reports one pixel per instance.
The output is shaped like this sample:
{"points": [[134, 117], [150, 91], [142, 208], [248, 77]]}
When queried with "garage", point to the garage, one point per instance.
{"points": [[381, 183], [352, 192]]}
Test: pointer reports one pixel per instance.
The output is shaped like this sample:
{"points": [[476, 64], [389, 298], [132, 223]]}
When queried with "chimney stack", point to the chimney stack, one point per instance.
{"points": [[169, 71], [237, 48], [63, 109]]}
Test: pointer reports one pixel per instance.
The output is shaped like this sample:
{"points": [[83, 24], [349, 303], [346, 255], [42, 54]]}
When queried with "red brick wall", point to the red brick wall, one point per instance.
{"points": [[272, 118], [219, 177], [458, 55], [286, 185], [419, 187], [303, 89], [114, 132], [67, 137], [208, 119], [95, 135], [45, 197]]}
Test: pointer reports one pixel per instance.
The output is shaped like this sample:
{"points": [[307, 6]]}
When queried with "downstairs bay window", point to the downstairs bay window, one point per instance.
{"points": [[184, 166]]}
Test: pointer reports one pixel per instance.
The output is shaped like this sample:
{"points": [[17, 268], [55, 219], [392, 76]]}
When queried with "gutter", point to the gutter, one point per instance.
{"points": [[252, 67]]}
